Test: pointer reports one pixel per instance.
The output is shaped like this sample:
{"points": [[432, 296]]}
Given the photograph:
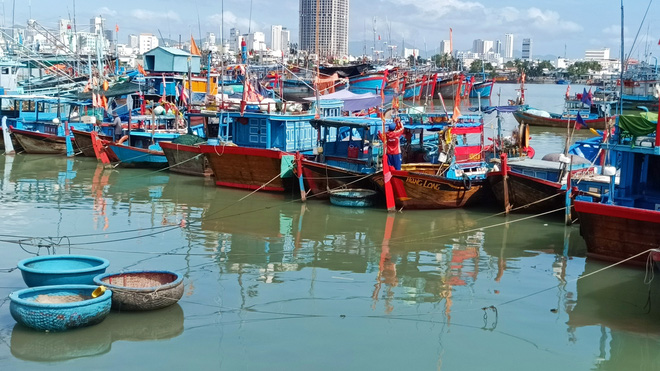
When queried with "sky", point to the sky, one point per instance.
{"points": [[557, 27]]}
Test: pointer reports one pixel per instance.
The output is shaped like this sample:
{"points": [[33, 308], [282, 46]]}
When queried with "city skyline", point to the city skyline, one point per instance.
{"points": [[556, 28]]}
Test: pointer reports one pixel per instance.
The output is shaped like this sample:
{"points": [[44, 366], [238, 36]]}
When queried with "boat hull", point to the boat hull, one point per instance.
{"points": [[413, 190], [138, 157], [320, 178], [482, 90], [247, 168], [83, 142], [526, 192], [615, 233], [14, 142], [526, 118], [185, 159], [40, 143]]}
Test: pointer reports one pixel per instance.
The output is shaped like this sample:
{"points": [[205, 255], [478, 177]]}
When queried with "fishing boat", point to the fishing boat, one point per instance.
{"points": [[482, 89], [183, 153], [639, 83], [449, 87], [83, 141], [346, 157], [456, 177], [37, 122], [141, 147], [595, 113], [625, 224]]}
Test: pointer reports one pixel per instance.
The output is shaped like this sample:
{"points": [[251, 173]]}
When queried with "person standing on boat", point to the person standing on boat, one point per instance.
{"points": [[394, 132], [117, 124]]}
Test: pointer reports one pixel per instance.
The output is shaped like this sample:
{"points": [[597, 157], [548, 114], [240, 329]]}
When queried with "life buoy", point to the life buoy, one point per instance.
{"points": [[467, 182]]}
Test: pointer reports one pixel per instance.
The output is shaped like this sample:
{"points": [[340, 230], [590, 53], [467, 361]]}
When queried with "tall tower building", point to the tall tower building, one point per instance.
{"points": [[444, 47], [332, 30], [508, 46], [527, 49], [276, 37]]}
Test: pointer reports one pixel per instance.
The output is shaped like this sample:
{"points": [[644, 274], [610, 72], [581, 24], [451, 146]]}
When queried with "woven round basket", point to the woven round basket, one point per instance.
{"points": [[59, 308], [142, 290]]}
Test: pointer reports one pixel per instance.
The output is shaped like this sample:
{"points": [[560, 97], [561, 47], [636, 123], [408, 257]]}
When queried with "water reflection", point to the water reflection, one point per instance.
{"points": [[31, 345]]}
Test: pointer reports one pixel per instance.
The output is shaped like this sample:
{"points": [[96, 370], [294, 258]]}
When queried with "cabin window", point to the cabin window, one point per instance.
{"points": [[40, 106], [5, 70], [28, 106]]}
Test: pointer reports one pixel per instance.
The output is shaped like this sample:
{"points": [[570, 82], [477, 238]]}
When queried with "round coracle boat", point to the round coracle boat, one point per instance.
{"points": [[142, 290]]}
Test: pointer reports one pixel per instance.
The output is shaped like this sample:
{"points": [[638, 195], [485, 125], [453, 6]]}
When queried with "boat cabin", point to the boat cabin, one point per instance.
{"points": [[348, 143], [42, 113]]}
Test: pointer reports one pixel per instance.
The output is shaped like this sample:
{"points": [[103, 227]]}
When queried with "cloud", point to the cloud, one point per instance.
{"points": [[147, 15], [231, 20], [550, 21], [106, 11], [615, 29]]}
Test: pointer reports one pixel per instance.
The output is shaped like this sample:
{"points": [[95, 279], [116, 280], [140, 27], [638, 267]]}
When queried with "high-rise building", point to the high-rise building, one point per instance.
{"points": [[133, 41], [96, 25], [286, 41], [332, 27], [498, 47], [444, 47], [487, 47], [234, 39], [508, 46], [146, 42], [276, 37], [477, 46], [527, 49]]}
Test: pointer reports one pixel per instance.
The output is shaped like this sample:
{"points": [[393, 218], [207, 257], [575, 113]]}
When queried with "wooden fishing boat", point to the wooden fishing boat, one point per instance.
{"points": [[83, 141], [448, 87], [419, 187], [342, 161], [40, 143], [626, 222], [259, 154], [446, 181], [250, 168], [185, 159], [482, 89], [539, 118], [131, 156]]}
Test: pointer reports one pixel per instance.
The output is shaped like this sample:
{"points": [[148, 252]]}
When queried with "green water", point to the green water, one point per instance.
{"points": [[274, 284]]}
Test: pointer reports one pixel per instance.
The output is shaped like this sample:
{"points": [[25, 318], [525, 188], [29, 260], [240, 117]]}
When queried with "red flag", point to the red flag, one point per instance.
{"points": [[141, 70], [568, 89], [116, 27]]}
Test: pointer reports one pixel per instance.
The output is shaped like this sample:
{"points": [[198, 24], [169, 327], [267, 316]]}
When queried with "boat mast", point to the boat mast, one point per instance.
{"points": [[622, 65]]}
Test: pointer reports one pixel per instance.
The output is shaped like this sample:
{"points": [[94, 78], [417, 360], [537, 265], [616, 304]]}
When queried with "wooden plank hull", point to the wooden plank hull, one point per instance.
{"points": [[525, 192], [447, 89], [138, 157], [413, 190], [534, 120], [321, 177], [615, 233], [40, 143], [247, 168], [17, 146], [83, 142], [185, 159]]}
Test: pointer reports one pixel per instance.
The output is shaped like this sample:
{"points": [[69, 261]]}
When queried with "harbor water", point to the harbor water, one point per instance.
{"points": [[272, 283]]}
